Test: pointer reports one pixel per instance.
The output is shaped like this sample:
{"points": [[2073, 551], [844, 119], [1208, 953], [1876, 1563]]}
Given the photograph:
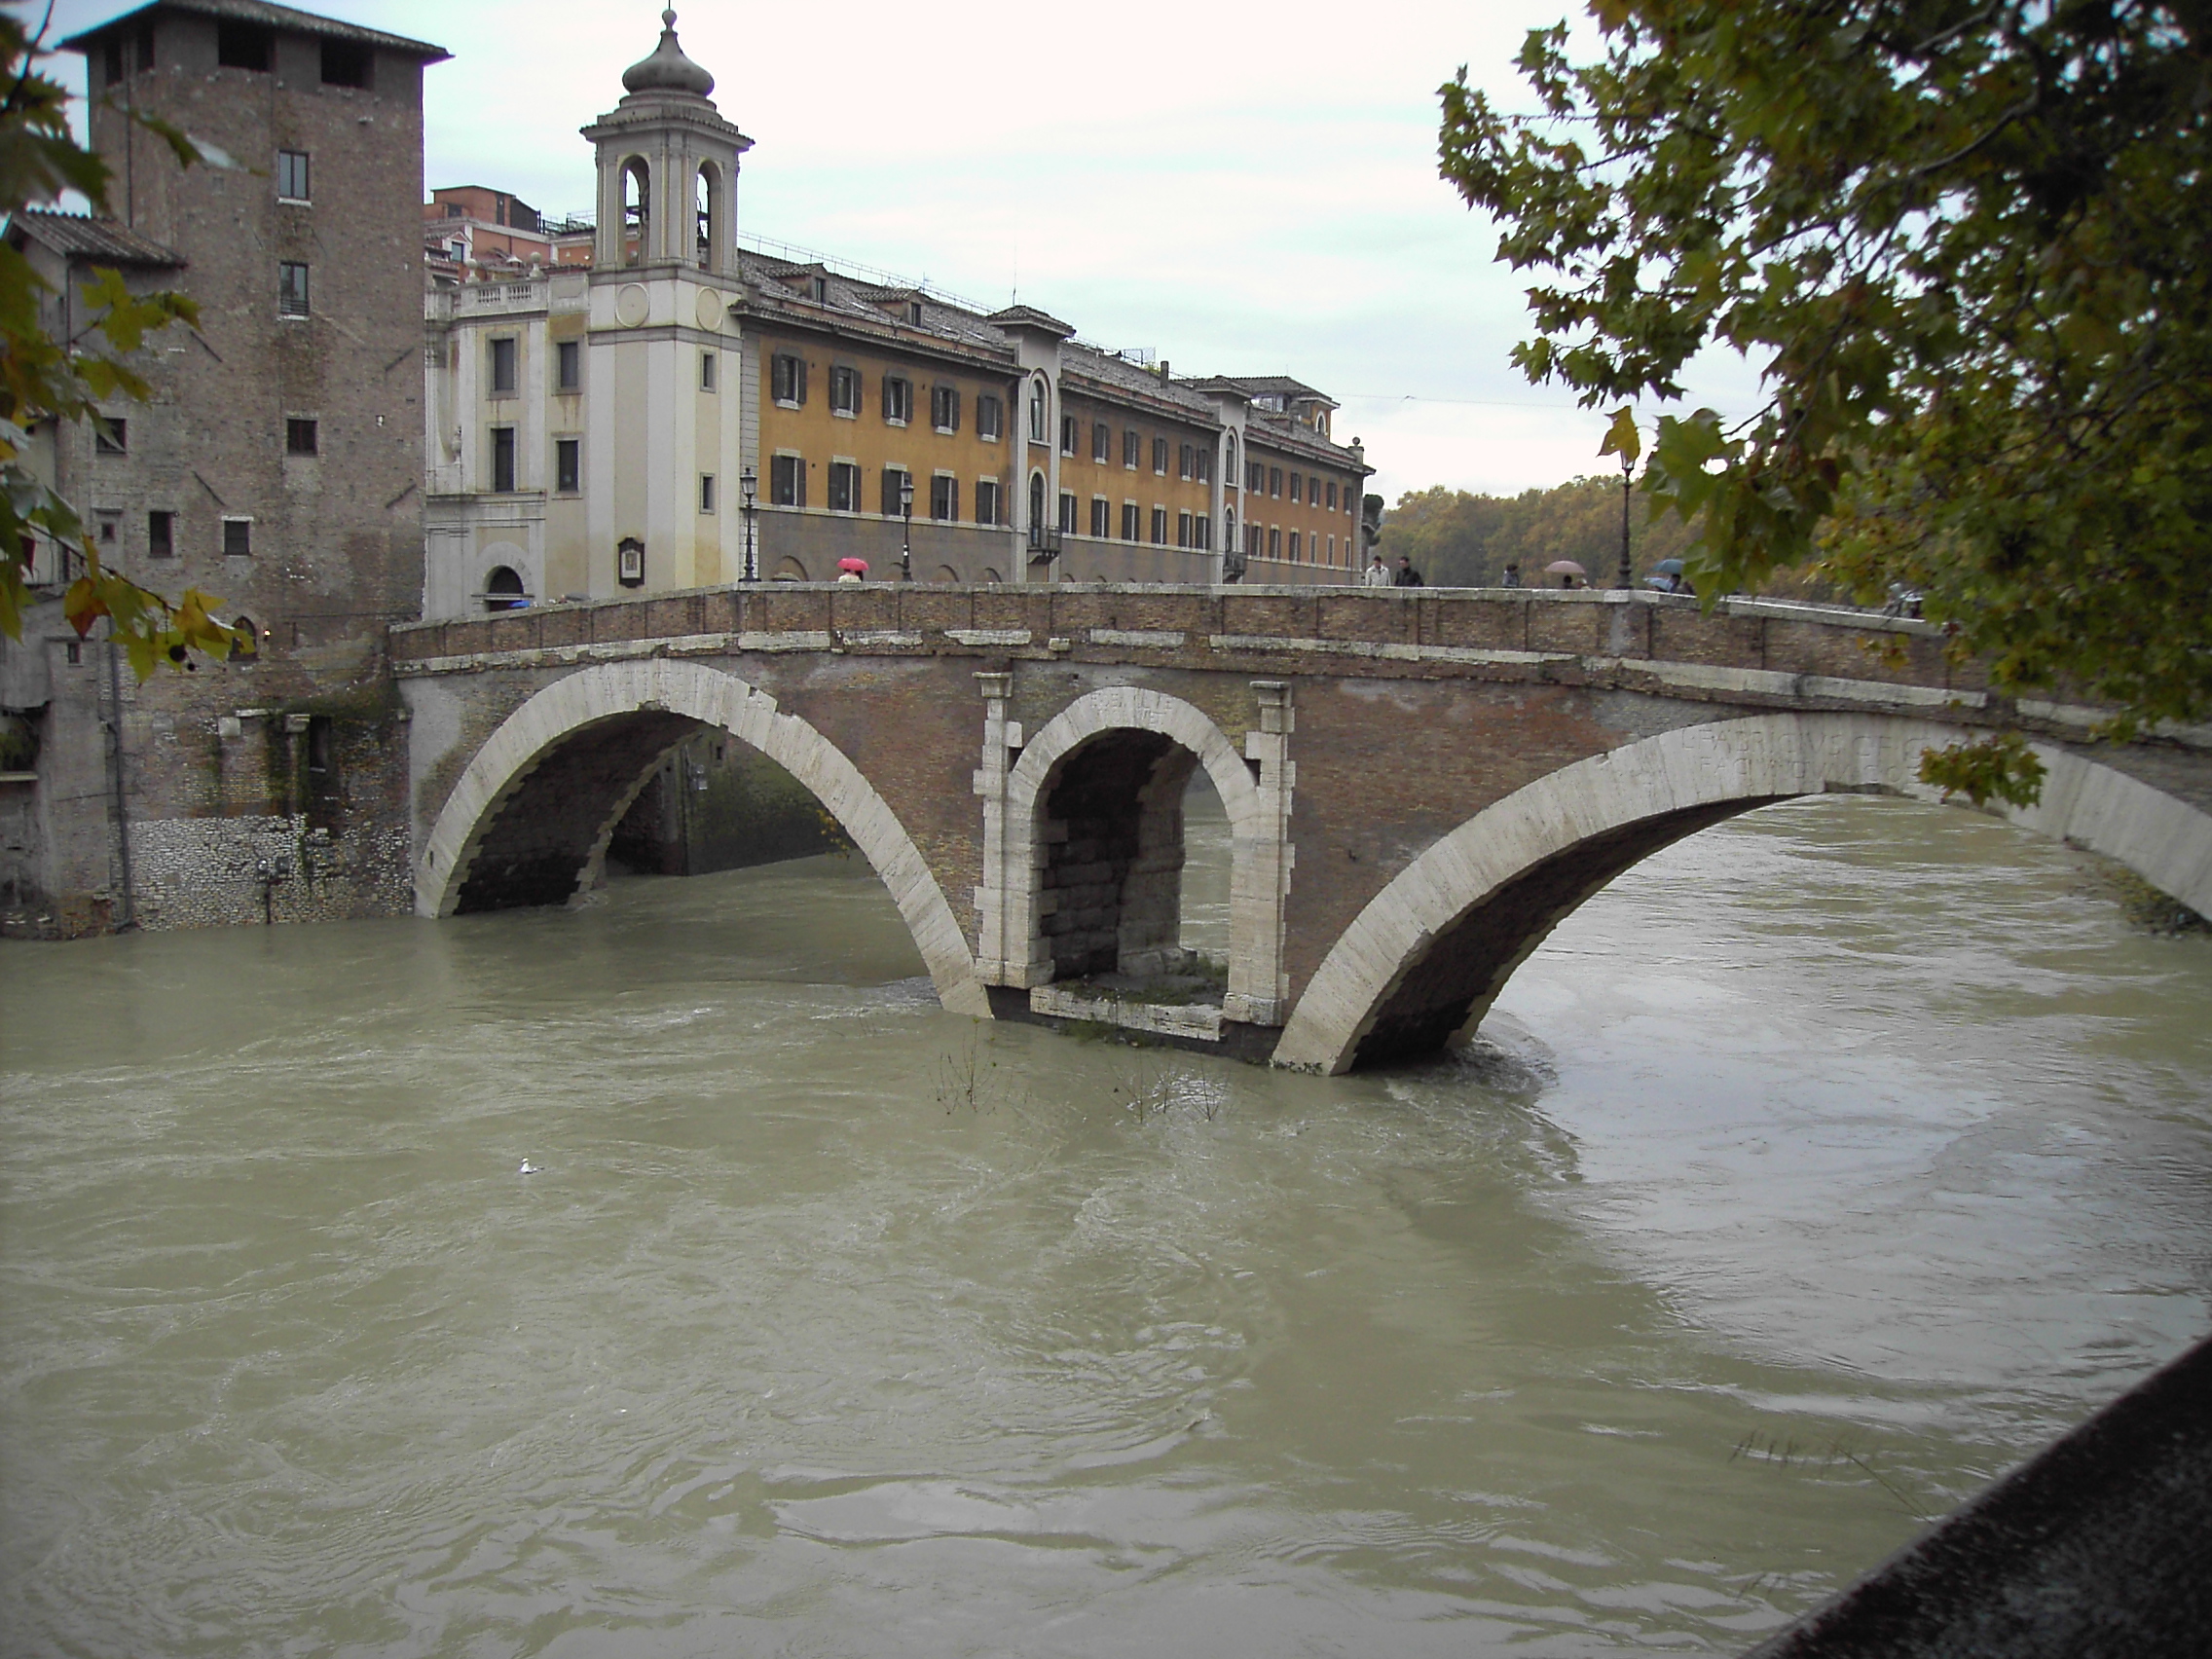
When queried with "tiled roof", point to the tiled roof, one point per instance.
{"points": [[1282, 383], [270, 16], [108, 240]]}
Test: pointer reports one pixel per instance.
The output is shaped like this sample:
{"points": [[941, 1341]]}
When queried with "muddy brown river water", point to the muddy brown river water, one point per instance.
{"points": [[1815, 1173]]}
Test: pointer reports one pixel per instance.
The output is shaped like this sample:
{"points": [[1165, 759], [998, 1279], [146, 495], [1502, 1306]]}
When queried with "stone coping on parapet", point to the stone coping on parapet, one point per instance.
{"points": [[1755, 653]]}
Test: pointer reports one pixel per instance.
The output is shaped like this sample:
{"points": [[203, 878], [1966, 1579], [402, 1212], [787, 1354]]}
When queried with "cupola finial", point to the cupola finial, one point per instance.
{"points": [[667, 70]]}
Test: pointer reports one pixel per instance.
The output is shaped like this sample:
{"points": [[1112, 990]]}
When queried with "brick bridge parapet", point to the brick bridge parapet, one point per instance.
{"points": [[1420, 783]]}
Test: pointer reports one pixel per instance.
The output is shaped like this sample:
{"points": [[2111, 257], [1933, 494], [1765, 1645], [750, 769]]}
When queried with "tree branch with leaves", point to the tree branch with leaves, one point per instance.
{"points": [[65, 380], [1966, 246]]}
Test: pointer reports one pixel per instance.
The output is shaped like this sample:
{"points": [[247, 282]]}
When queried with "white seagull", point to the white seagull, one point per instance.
{"points": [[527, 1168]]}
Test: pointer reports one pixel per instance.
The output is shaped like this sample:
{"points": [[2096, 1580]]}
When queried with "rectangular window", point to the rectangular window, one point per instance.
{"points": [[1129, 529], [898, 400], [1186, 465], [292, 176], [1201, 537], [894, 484], [1331, 495], [1070, 433], [706, 492], [111, 435], [1274, 480], [1160, 456], [1067, 513], [844, 391], [944, 497], [347, 63], [1255, 477], [1160, 526], [1101, 443], [1332, 550], [161, 536], [1182, 530], [1294, 547], [786, 481], [1101, 516], [844, 486], [1295, 481], [986, 493], [291, 290], [1203, 468], [944, 408], [503, 368], [1132, 450], [238, 539], [242, 46], [502, 461], [990, 419], [301, 437], [787, 376], [706, 370], [568, 365], [567, 465], [1255, 541]]}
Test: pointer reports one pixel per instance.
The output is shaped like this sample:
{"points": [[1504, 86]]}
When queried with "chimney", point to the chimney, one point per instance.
{"points": [[1163, 371]]}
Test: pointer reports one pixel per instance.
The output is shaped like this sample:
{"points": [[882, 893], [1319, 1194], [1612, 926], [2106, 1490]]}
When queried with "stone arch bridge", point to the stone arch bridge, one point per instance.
{"points": [[1420, 784]]}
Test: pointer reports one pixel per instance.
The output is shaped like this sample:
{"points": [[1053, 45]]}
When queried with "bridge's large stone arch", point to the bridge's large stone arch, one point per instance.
{"points": [[641, 709], [1428, 954], [1156, 740]]}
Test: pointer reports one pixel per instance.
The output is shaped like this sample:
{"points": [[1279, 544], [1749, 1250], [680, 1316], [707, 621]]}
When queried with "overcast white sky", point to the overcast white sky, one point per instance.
{"points": [[1247, 189]]}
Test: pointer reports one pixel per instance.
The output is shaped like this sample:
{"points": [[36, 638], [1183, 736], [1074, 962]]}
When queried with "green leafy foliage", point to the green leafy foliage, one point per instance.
{"points": [[1460, 540], [1965, 243], [44, 378]]}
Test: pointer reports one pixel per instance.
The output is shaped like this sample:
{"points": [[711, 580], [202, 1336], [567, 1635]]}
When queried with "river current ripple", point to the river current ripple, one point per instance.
{"points": [[1811, 1176]]}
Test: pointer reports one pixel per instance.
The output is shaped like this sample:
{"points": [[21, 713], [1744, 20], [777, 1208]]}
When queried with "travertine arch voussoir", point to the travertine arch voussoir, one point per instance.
{"points": [[733, 705], [1770, 756], [1255, 907]]}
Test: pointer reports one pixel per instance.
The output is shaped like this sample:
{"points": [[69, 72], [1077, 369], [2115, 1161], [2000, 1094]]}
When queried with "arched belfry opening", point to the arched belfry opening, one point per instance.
{"points": [[707, 235], [637, 212], [668, 166], [1112, 881]]}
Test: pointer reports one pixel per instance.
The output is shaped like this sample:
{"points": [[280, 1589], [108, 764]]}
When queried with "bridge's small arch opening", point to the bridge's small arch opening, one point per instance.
{"points": [[790, 569], [1114, 858]]}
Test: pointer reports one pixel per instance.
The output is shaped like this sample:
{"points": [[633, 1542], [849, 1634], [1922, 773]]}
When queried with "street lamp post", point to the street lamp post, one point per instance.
{"points": [[906, 530], [750, 482]]}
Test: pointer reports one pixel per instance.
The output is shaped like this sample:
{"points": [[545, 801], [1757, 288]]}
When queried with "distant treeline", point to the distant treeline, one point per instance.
{"points": [[1458, 539]]}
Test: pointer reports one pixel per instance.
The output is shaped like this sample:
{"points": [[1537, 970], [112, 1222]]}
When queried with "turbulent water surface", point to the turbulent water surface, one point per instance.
{"points": [[1815, 1173]]}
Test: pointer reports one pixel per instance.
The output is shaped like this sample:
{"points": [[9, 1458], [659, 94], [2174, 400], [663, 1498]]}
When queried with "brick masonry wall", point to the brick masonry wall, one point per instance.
{"points": [[1411, 711]]}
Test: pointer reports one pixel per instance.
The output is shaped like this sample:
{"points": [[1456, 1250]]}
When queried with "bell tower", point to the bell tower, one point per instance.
{"points": [[663, 365]]}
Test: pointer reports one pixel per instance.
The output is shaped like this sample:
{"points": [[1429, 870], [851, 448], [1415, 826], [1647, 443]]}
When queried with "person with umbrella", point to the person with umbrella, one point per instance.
{"points": [[851, 569], [1567, 570], [1668, 577]]}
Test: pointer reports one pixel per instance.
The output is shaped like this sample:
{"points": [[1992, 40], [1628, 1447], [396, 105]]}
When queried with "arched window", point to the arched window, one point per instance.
{"points": [[637, 210], [1038, 398], [1233, 478], [1229, 524], [503, 590], [247, 645], [706, 195], [1036, 502]]}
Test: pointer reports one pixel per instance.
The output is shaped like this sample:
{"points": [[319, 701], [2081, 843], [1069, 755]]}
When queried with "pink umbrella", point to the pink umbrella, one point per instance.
{"points": [[859, 566]]}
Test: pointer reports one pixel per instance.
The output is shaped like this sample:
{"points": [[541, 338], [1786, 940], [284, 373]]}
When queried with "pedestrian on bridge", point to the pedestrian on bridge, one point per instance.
{"points": [[1407, 576], [1376, 575]]}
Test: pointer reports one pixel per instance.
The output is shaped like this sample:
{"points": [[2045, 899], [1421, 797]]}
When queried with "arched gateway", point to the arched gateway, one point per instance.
{"points": [[1429, 953], [531, 817]]}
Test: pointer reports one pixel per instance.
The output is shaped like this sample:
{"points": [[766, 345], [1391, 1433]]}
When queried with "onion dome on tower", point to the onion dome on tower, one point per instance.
{"points": [[667, 70]]}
